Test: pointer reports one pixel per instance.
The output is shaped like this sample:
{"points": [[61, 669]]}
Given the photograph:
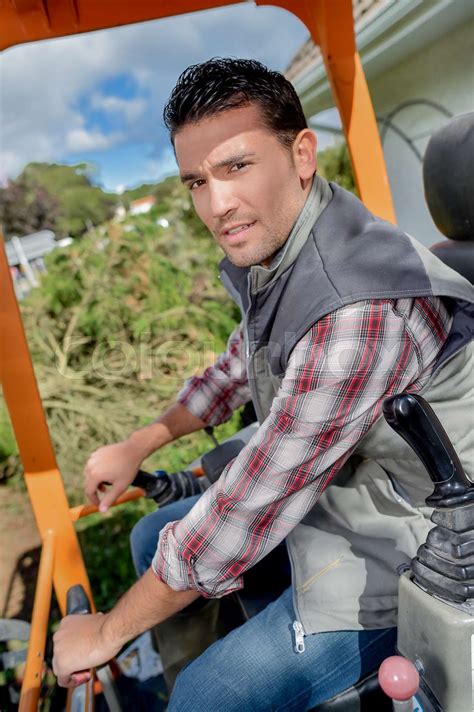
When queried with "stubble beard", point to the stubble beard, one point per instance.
{"points": [[257, 254]]}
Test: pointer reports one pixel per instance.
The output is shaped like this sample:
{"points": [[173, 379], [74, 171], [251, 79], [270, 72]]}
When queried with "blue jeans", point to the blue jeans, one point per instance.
{"points": [[255, 668]]}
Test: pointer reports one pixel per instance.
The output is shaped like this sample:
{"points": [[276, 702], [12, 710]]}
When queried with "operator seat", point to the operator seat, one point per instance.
{"points": [[448, 176]]}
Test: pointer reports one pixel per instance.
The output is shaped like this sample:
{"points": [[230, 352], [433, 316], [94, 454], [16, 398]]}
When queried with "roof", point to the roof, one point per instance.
{"points": [[143, 201], [309, 53], [30, 247]]}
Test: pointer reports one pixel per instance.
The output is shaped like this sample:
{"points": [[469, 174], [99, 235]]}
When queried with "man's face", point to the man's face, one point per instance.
{"points": [[247, 188]]}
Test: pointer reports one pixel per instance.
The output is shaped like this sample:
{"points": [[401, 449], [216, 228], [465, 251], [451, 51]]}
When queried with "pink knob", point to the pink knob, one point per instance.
{"points": [[398, 678]]}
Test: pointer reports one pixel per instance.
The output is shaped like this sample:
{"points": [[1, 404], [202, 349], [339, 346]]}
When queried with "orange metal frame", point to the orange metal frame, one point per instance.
{"points": [[331, 26]]}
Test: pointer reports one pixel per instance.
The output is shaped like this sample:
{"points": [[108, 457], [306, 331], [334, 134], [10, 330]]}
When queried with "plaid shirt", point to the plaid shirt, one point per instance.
{"points": [[337, 377]]}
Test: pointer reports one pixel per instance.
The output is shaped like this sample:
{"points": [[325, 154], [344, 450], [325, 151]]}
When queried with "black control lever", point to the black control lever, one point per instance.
{"points": [[416, 422], [154, 485], [165, 488]]}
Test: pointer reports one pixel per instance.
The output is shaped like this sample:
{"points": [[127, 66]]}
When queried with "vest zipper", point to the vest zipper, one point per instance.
{"points": [[299, 646], [299, 637], [250, 353], [246, 316]]}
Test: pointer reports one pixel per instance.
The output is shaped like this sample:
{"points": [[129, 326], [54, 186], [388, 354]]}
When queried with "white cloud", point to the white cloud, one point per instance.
{"points": [[80, 140], [130, 108], [41, 83]]}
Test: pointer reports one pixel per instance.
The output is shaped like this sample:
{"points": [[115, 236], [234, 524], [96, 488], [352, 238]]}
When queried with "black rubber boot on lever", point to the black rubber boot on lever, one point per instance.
{"points": [[165, 488]]}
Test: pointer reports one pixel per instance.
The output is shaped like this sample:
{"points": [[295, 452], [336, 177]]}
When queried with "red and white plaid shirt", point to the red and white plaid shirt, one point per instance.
{"points": [[336, 380]]}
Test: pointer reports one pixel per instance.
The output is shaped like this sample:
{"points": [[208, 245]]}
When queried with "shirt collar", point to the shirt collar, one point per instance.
{"points": [[318, 198]]}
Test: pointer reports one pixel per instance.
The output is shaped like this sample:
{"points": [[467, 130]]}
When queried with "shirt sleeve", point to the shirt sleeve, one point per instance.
{"points": [[332, 392], [223, 387]]}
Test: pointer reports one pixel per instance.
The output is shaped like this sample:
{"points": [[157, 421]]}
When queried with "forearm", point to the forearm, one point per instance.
{"points": [[147, 603], [83, 642], [173, 424]]}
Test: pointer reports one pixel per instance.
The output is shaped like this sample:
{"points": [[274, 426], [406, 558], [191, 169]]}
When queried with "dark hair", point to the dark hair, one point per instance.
{"points": [[223, 83]]}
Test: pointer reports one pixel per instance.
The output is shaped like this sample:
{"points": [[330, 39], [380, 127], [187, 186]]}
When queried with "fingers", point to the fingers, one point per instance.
{"points": [[113, 493], [79, 678], [93, 497], [113, 465], [93, 483]]}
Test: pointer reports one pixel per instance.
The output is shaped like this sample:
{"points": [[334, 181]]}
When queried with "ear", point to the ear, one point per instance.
{"points": [[304, 154]]}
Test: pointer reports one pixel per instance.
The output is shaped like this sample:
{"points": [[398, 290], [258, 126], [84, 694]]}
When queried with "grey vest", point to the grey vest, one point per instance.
{"points": [[348, 551]]}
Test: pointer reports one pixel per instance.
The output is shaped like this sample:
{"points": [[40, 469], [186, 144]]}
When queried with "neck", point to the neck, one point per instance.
{"points": [[306, 186]]}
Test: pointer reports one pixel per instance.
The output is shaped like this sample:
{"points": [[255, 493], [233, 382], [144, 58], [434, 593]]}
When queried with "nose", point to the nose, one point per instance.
{"points": [[222, 198]]}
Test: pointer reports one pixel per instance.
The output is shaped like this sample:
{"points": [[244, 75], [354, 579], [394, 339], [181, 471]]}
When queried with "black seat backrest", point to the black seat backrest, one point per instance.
{"points": [[448, 176]]}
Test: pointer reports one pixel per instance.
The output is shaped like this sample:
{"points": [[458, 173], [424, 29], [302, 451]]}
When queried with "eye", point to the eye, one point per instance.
{"points": [[238, 166], [195, 184]]}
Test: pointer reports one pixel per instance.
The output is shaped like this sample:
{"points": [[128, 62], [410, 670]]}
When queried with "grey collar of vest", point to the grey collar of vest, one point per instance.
{"points": [[318, 198]]}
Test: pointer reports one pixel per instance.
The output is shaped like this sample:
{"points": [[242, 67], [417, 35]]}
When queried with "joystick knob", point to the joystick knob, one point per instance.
{"points": [[399, 679]]}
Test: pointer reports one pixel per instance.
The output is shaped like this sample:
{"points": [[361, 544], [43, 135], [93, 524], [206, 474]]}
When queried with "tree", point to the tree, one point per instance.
{"points": [[54, 196], [334, 164], [26, 208]]}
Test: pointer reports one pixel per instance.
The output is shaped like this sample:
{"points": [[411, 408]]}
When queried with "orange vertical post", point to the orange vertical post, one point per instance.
{"points": [[331, 25], [43, 480], [31, 686]]}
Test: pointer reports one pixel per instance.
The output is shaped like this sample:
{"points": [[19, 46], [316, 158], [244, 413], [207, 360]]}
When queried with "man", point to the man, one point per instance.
{"points": [[340, 310]]}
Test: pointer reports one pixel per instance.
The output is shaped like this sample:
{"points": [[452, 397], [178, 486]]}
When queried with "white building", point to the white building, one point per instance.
{"points": [[142, 205], [418, 56]]}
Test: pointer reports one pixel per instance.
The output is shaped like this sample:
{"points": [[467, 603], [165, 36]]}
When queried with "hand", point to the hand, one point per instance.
{"points": [[114, 464], [79, 645]]}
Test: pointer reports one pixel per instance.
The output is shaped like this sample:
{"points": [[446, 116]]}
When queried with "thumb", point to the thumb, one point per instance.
{"points": [[112, 494]]}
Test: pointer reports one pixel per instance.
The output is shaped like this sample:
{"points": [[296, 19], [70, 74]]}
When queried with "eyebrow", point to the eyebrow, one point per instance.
{"points": [[186, 177]]}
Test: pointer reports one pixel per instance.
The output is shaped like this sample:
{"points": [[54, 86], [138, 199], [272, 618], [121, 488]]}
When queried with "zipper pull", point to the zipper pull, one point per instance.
{"points": [[299, 637]]}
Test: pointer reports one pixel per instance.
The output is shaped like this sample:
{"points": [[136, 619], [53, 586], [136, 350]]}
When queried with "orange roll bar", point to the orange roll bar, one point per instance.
{"points": [[30, 689], [30, 20], [331, 26]]}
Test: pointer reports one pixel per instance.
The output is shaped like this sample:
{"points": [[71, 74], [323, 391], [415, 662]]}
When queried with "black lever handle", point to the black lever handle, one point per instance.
{"points": [[416, 422], [145, 480], [165, 488], [77, 600]]}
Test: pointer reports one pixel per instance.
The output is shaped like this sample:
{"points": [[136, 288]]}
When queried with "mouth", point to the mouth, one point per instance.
{"points": [[235, 234]]}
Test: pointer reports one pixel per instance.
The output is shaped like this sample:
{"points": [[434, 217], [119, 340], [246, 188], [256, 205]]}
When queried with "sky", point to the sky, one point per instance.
{"points": [[99, 97]]}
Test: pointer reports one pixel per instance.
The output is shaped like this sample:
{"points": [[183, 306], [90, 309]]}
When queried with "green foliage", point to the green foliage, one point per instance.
{"points": [[161, 191], [334, 164], [26, 208], [8, 447], [57, 197], [83, 206]]}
